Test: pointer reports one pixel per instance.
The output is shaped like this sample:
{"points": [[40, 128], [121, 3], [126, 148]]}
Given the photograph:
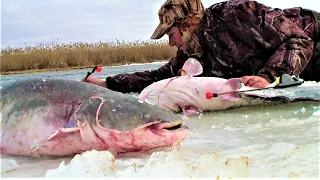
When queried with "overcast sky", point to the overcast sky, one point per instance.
{"points": [[28, 22]]}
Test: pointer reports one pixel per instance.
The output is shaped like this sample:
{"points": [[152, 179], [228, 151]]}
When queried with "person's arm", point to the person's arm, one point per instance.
{"points": [[137, 81], [291, 57], [292, 46]]}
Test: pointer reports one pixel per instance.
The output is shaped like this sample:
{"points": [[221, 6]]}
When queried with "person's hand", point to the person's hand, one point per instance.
{"points": [[95, 80], [255, 81]]}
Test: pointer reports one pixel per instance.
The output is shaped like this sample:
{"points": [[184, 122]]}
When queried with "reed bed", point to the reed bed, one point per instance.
{"points": [[56, 55]]}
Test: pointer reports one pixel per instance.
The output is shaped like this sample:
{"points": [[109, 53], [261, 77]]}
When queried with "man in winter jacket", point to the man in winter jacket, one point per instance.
{"points": [[232, 39]]}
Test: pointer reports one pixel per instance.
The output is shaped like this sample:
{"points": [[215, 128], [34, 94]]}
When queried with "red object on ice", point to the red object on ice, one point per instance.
{"points": [[99, 69]]}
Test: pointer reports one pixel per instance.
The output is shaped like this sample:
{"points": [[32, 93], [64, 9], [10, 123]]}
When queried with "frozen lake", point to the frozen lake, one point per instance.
{"points": [[262, 141]]}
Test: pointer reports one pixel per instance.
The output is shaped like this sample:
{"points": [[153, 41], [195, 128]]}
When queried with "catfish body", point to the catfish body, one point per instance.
{"points": [[65, 117], [187, 93]]}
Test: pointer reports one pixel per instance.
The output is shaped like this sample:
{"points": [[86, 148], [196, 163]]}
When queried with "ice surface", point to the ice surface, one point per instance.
{"points": [[267, 141], [273, 141]]}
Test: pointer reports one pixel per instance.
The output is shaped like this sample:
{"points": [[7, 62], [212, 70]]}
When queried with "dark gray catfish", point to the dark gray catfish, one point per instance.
{"points": [[64, 117]]}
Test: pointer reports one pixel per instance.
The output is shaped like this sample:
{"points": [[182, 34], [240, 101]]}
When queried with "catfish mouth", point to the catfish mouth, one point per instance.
{"points": [[168, 126]]}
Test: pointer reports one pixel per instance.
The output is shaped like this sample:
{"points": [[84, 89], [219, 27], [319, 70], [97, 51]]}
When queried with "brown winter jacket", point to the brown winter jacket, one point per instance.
{"points": [[241, 37]]}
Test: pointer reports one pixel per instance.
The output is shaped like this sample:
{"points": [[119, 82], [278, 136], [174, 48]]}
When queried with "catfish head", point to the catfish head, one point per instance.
{"points": [[125, 124]]}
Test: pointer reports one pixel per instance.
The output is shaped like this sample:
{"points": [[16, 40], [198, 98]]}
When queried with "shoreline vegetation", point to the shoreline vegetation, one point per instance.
{"points": [[56, 56]]}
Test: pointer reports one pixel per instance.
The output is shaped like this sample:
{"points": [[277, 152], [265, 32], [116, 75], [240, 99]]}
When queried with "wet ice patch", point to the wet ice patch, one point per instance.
{"points": [[280, 159], [174, 163], [316, 113], [310, 83], [89, 164], [8, 165]]}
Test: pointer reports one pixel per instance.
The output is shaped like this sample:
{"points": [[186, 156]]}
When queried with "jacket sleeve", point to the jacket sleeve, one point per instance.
{"points": [[137, 81], [291, 42], [291, 57]]}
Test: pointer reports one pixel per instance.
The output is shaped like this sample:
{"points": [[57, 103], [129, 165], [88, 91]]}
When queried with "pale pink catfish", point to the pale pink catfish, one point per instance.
{"points": [[188, 93]]}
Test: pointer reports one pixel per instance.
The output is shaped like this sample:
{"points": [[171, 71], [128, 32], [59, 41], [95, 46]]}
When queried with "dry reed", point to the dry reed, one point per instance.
{"points": [[80, 54]]}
